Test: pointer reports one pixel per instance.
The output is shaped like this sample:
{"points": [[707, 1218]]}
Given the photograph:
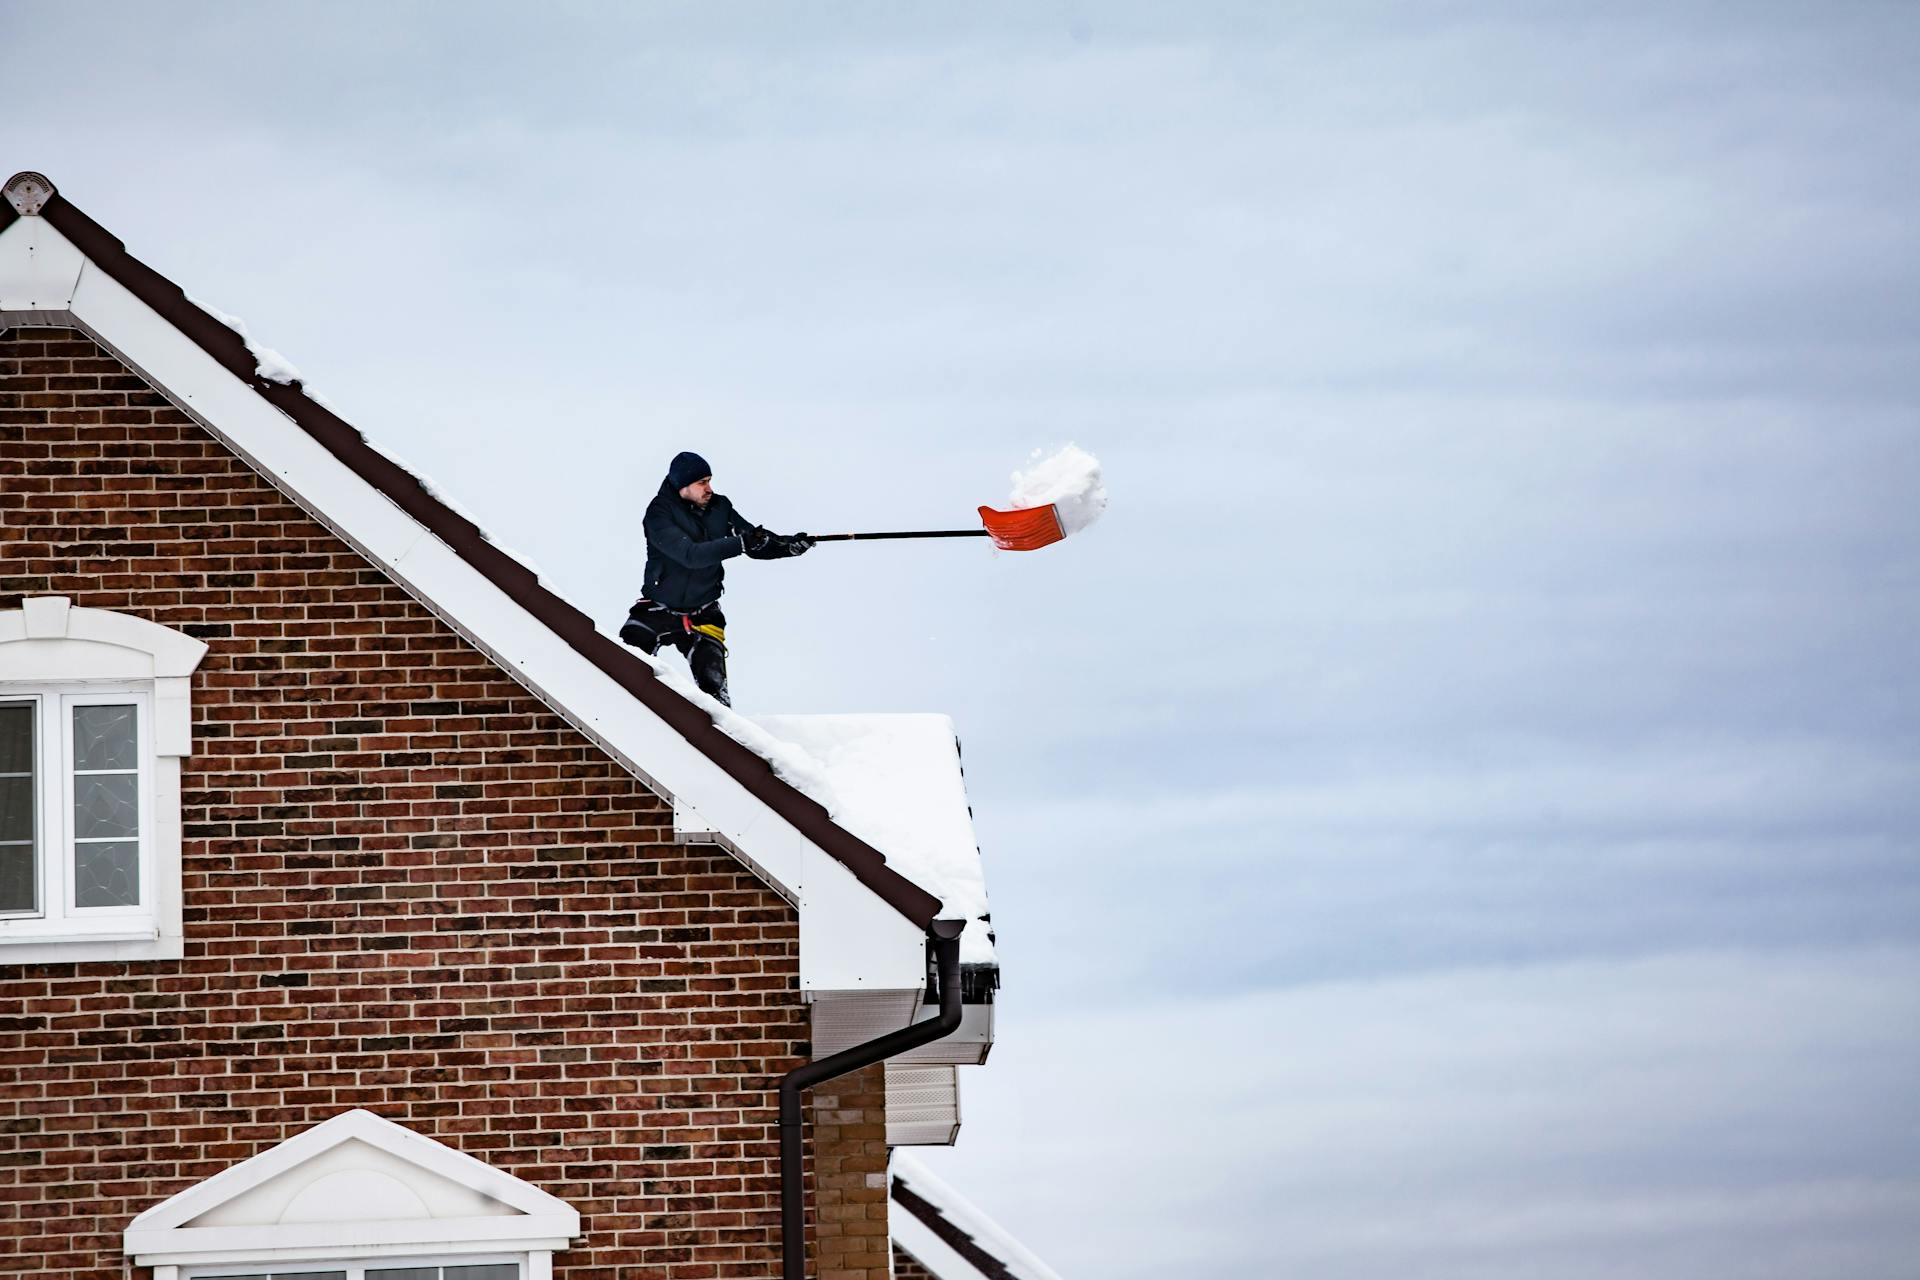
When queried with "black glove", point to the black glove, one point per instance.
{"points": [[796, 544], [756, 541]]}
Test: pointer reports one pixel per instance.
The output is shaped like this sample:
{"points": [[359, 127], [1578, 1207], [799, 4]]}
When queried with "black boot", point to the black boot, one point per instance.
{"points": [[709, 662]]}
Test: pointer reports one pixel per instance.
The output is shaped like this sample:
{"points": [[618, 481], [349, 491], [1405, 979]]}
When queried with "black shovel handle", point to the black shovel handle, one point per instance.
{"points": [[915, 533]]}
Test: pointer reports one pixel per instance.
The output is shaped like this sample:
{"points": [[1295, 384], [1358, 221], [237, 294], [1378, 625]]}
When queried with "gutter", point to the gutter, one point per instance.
{"points": [[945, 937]]}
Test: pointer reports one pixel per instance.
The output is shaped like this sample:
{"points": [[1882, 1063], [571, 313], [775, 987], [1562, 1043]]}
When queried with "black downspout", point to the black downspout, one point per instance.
{"points": [[945, 936]]}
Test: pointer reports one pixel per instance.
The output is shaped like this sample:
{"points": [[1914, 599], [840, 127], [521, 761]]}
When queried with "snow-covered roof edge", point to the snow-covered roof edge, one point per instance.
{"points": [[960, 1225], [895, 779], [745, 762]]}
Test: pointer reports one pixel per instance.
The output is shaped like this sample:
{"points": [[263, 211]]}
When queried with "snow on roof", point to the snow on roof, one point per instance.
{"points": [[896, 782], [959, 1242], [268, 363]]}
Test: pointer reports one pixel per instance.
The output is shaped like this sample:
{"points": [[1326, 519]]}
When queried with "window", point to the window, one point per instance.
{"points": [[75, 845], [395, 1270], [19, 803], [94, 720]]}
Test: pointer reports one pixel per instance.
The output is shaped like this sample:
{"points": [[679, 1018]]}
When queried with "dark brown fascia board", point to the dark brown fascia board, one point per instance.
{"points": [[339, 438], [956, 1239]]}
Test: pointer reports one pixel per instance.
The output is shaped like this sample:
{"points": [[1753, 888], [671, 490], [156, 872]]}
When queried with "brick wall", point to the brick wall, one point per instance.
{"points": [[409, 887], [850, 1172], [907, 1267]]}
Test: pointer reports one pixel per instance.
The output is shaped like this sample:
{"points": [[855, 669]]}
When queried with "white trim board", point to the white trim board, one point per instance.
{"points": [[960, 1213], [308, 1198]]}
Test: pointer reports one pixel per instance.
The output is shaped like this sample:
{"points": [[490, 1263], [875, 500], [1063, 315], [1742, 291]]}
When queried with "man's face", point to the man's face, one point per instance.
{"points": [[700, 492]]}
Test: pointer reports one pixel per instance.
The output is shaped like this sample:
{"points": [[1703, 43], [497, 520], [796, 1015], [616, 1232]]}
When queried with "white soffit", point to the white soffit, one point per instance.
{"points": [[968, 1046], [923, 1105], [850, 938], [353, 1186], [842, 1019]]}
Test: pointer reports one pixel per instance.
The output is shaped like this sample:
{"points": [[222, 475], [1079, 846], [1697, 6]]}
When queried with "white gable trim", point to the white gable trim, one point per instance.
{"points": [[924, 1243], [919, 1242], [850, 938], [43, 270], [535, 1220]]}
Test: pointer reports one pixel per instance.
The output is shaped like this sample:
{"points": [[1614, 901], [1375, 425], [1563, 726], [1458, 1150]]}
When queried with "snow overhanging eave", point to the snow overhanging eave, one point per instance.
{"points": [[897, 780], [46, 278]]}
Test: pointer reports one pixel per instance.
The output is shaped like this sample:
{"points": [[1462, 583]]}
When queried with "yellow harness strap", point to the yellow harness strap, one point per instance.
{"points": [[708, 629]]}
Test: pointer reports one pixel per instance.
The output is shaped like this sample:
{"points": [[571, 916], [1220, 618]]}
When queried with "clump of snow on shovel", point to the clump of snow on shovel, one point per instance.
{"points": [[1068, 480], [268, 363]]}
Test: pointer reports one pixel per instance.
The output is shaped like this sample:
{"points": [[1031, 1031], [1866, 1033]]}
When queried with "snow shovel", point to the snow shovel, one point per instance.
{"points": [[1027, 529]]}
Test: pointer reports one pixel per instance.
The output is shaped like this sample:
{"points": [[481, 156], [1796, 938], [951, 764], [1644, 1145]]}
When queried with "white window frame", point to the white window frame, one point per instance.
{"points": [[58, 658], [55, 913], [68, 846], [531, 1266]]}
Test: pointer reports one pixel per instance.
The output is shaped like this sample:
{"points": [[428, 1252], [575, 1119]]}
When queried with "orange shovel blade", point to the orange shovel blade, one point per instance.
{"points": [[1027, 529]]}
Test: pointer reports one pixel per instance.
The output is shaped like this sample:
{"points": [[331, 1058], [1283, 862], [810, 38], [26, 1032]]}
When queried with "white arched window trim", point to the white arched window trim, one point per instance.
{"points": [[55, 658]]}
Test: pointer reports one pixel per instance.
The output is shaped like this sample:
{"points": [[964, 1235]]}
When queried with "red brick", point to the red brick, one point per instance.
{"points": [[408, 887]]}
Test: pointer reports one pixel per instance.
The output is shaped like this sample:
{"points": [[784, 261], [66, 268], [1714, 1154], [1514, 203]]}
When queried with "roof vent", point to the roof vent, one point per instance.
{"points": [[28, 192]]}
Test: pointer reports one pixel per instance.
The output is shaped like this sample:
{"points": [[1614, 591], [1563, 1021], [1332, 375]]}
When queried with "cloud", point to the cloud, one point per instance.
{"points": [[1328, 873], [1512, 561], [1686, 1115]]}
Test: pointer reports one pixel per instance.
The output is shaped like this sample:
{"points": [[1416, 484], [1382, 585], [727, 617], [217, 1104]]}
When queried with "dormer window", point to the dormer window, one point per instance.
{"points": [[94, 720]]}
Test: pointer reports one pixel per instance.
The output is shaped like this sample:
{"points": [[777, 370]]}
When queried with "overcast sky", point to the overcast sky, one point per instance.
{"points": [[1456, 816]]}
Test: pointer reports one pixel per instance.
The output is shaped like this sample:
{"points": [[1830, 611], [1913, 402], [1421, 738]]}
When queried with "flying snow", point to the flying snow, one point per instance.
{"points": [[1068, 480]]}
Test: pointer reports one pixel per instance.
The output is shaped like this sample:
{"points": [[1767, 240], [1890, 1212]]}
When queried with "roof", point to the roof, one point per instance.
{"points": [[694, 723], [949, 1236], [896, 781]]}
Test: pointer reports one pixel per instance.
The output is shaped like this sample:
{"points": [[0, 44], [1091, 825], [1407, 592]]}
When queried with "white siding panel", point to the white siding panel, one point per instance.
{"points": [[842, 1019], [39, 267], [850, 940], [923, 1105]]}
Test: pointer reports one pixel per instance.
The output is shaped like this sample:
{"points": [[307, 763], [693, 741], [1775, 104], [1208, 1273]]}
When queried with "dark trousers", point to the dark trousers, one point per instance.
{"points": [[701, 636]]}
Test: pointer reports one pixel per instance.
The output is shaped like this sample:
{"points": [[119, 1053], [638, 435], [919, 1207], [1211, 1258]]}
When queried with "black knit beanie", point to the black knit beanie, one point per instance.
{"points": [[686, 468]]}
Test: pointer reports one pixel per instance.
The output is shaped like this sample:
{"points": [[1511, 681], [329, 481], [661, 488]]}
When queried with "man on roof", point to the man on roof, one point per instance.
{"points": [[691, 531]]}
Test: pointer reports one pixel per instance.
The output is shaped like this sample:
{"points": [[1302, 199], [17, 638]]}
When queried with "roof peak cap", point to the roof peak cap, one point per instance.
{"points": [[28, 192]]}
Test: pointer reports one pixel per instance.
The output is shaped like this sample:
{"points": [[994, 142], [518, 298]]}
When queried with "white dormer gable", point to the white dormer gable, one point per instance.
{"points": [[354, 1187]]}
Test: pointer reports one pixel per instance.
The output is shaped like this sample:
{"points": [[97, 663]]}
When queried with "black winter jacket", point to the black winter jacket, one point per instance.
{"points": [[686, 545]]}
